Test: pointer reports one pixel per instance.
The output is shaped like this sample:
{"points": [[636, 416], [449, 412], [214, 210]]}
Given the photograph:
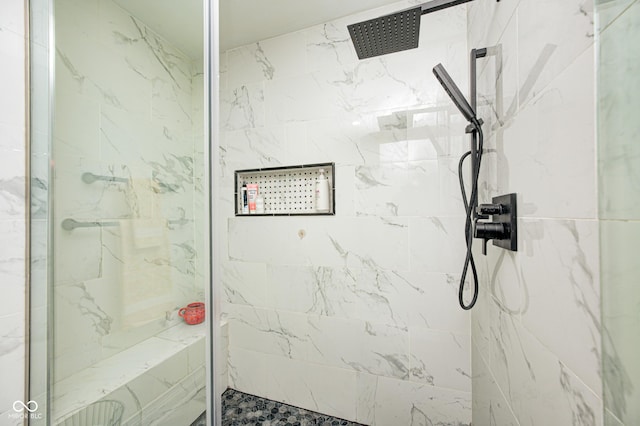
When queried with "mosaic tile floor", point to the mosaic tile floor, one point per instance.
{"points": [[243, 409]]}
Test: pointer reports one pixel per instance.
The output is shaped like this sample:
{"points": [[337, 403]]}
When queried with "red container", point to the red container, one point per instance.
{"points": [[193, 313]]}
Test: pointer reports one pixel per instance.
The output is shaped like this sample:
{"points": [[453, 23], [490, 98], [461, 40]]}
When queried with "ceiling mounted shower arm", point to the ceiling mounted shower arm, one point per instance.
{"points": [[436, 5]]}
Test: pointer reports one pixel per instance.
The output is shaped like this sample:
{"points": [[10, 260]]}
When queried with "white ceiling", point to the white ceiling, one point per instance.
{"points": [[241, 21]]}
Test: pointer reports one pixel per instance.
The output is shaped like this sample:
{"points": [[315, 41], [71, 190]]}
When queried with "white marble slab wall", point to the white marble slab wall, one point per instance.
{"points": [[619, 207], [356, 316], [12, 208], [128, 104], [536, 327]]}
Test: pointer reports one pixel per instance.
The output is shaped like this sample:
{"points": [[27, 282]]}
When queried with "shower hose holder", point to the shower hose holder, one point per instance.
{"points": [[503, 227]]}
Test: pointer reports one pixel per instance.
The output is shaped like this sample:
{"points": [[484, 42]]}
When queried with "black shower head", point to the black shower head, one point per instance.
{"points": [[454, 93], [386, 34], [393, 33]]}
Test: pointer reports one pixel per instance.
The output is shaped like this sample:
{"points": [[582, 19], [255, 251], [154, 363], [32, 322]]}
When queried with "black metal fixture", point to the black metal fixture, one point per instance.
{"points": [[503, 227], [395, 32]]}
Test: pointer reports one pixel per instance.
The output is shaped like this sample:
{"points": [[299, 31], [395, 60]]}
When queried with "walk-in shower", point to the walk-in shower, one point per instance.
{"points": [[401, 31]]}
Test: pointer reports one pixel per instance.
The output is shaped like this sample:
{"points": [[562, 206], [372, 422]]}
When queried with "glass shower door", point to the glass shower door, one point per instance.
{"points": [[618, 86], [121, 194]]}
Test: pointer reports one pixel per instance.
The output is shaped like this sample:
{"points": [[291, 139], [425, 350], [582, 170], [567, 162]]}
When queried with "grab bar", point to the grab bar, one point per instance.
{"points": [[71, 224], [89, 177]]}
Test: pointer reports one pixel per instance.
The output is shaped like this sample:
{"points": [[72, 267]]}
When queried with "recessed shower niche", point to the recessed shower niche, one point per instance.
{"points": [[285, 191]]}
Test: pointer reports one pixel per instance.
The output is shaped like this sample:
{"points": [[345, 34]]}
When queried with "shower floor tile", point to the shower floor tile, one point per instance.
{"points": [[243, 409]]}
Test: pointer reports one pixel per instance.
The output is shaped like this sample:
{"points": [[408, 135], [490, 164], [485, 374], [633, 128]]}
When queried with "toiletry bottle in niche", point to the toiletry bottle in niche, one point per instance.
{"points": [[252, 193], [244, 198], [259, 204], [322, 192]]}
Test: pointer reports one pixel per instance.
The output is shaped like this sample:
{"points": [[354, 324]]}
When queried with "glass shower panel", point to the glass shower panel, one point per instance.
{"points": [[618, 64], [128, 200]]}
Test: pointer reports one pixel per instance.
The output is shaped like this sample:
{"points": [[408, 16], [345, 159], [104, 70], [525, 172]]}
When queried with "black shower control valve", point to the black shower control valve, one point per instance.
{"points": [[490, 209], [502, 228], [490, 231]]}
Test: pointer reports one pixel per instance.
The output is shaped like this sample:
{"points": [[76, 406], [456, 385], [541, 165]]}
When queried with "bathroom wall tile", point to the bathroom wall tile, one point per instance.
{"points": [[12, 361], [80, 322], [320, 290], [431, 301], [222, 362], [344, 202], [298, 98], [480, 318], [402, 402], [334, 342], [13, 17], [312, 386], [567, 25], [440, 359], [12, 85], [366, 387], [279, 57], [224, 71], [248, 372], [437, 243], [381, 296], [160, 379], [489, 405], [268, 331], [12, 273], [538, 386], [356, 139], [486, 21], [243, 107], [326, 242], [182, 403], [498, 87], [562, 294], [385, 351], [557, 124], [255, 148], [442, 26], [392, 189], [245, 283], [78, 128], [620, 298], [329, 45]]}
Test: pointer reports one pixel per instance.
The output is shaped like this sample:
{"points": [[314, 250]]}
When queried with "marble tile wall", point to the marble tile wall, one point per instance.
{"points": [[12, 208], [357, 316], [619, 207], [536, 327], [128, 104]]}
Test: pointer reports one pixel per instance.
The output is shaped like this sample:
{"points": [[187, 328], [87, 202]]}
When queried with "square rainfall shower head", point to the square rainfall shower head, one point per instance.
{"points": [[387, 34]]}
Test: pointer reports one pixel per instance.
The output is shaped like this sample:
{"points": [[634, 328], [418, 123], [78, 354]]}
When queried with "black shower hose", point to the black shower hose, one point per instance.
{"points": [[468, 207]]}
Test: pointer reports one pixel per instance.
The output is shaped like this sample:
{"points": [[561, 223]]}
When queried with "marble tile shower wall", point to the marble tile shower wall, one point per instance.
{"points": [[12, 207], [125, 107], [355, 315], [536, 328]]}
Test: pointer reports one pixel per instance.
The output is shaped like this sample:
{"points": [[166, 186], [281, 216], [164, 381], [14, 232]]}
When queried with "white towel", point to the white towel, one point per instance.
{"points": [[147, 288]]}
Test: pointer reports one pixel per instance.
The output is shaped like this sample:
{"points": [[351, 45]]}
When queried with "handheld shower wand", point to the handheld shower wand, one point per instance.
{"points": [[475, 128]]}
